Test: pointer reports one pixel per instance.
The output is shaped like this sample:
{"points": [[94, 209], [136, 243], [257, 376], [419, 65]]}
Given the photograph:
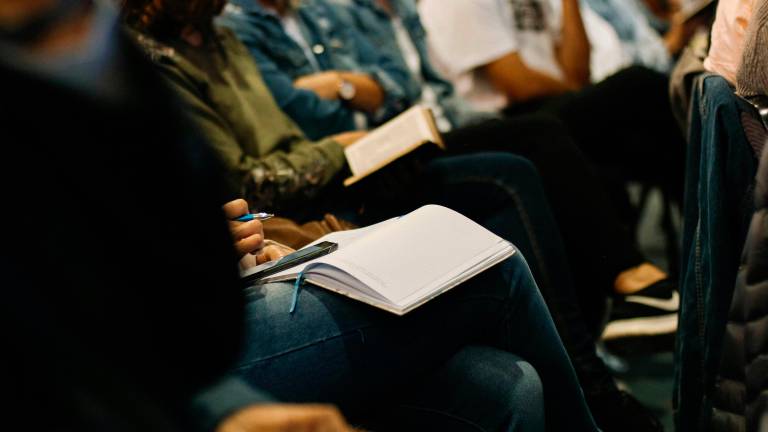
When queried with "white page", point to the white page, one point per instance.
{"points": [[415, 251], [487, 260], [342, 238], [405, 132]]}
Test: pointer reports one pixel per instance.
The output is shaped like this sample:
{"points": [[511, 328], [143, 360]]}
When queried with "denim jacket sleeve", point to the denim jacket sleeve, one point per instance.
{"points": [[296, 172], [216, 402], [393, 77], [317, 117]]}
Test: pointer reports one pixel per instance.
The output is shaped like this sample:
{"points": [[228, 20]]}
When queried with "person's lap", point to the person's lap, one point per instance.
{"points": [[333, 349]]}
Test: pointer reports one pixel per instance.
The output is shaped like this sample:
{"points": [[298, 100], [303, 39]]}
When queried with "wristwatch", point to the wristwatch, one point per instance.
{"points": [[347, 90]]}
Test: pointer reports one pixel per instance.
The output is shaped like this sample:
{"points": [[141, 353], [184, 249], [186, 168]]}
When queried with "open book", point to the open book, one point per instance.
{"points": [[402, 263], [391, 141]]}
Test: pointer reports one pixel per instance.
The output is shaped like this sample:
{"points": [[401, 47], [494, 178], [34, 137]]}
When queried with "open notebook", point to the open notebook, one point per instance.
{"points": [[391, 141], [402, 263]]}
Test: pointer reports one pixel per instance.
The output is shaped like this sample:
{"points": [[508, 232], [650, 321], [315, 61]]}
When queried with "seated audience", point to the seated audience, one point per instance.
{"points": [[138, 339], [183, 73], [520, 56], [259, 24]]}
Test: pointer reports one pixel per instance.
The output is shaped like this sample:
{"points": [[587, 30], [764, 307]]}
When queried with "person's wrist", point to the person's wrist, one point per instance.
{"points": [[345, 89]]}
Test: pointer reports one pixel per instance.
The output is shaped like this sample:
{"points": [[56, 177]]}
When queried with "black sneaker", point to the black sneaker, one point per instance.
{"points": [[618, 411], [651, 311]]}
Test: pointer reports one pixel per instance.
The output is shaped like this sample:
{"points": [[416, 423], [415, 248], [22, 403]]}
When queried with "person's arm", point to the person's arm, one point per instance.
{"points": [[281, 177], [317, 116], [520, 83], [492, 48], [573, 49], [369, 96], [231, 405], [286, 418], [391, 77]]}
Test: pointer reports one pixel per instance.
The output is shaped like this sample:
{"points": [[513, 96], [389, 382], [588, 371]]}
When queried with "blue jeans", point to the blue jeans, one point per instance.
{"points": [[504, 193], [455, 362]]}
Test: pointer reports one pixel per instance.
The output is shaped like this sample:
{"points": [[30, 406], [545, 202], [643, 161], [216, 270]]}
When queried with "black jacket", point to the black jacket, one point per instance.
{"points": [[741, 391], [121, 297]]}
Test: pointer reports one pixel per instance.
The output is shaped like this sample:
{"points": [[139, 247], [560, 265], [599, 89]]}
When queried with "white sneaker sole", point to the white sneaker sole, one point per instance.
{"points": [[635, 327]]}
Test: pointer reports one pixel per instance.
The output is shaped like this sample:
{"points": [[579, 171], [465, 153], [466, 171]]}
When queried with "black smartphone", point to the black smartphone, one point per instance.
{"points": [[291, 260]]}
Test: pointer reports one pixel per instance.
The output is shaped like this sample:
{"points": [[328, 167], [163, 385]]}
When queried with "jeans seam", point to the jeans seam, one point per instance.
{"points": [[446, 414], [302, 347]]}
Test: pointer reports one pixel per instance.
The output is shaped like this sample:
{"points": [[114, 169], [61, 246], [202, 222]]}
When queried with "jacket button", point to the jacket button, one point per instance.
{"points": [[318, 49]]}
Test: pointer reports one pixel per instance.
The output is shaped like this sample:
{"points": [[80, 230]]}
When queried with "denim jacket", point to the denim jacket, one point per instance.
{"points": [[718, 206], [336, 47], [375, 23]]}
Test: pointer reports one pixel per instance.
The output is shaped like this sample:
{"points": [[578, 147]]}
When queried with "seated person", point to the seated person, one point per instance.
{"points": [[751, 77], [139, 339], [727, 37], [336, 350], [521, 57]]}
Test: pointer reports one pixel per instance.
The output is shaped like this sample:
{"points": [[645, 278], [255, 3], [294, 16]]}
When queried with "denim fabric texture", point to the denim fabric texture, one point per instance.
{"points": [[720, 173], [336, 47], [375, 23], [483, 357]]}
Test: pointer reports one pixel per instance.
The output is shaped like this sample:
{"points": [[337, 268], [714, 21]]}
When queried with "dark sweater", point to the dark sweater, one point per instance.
{"points": [[121, 298]]}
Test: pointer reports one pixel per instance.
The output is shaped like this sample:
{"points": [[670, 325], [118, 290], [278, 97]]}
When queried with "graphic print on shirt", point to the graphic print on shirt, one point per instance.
{"points": [[528, 15]]}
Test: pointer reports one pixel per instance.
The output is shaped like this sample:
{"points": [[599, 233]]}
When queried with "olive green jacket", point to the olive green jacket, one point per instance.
{"points": [[270, 161]]}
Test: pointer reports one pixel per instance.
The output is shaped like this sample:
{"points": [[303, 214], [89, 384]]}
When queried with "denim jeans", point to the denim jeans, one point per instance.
{"points": [[718, 205], [454, 363], [504, 193]]}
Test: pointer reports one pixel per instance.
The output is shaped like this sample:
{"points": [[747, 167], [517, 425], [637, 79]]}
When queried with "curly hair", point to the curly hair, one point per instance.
{"points": [[166, 18]]}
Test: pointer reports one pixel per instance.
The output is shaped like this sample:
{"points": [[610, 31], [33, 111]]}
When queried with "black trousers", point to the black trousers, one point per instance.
{"points": [[597, 244], [625, 126]]}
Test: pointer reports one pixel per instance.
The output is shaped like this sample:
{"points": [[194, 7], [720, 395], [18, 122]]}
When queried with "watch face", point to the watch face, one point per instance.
{"points": [[347, 91]]}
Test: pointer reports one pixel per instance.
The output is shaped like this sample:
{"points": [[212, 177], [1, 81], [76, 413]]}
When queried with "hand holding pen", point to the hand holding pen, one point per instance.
{"points": [[246, 227]]}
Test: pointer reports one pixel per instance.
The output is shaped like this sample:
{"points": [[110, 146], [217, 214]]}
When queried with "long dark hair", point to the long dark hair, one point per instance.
{"points": [[166, 18]]}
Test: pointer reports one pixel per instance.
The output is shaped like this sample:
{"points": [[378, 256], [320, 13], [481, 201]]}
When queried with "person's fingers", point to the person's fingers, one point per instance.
{"points": [[236, 208], [249, 244], [241, 230], [272, 252], [249, 236]]}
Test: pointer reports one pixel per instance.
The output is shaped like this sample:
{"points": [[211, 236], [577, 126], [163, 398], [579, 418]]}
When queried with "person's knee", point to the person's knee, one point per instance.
{"points": [[510, 387]]}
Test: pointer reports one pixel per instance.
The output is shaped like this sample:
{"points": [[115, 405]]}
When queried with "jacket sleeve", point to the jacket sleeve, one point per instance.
{"points": [[752, 284], [292, 174], [209, 407], [316, 116], [393, 79]]}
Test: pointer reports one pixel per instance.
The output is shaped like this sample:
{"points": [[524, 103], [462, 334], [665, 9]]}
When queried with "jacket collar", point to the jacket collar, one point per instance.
{"points": [[252, 7]]}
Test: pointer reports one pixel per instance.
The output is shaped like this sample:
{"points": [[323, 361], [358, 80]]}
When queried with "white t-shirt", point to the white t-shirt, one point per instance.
{"points": [[467, 34], [607, 54]]}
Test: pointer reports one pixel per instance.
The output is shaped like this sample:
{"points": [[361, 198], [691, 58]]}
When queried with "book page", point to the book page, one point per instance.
{"points": [[390, 141], [416, 251], [342, 238]]}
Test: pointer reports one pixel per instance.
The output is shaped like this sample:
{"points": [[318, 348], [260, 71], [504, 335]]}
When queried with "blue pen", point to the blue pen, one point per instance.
{"points": [[251, 216]]}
